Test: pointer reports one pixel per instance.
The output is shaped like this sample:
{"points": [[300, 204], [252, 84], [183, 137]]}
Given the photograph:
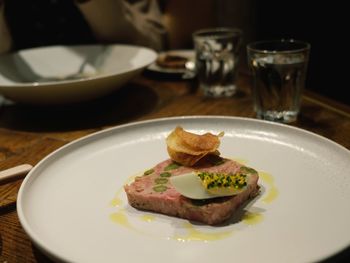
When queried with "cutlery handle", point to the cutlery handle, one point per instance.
{"points": [[14, 173]]}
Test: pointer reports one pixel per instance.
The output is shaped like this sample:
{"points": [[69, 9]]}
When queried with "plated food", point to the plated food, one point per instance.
{"points": [[170, 60], [196, 183], [173, 62]]}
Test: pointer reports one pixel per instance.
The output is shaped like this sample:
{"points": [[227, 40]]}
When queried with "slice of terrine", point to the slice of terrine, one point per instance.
{"points": [[154, 192]]}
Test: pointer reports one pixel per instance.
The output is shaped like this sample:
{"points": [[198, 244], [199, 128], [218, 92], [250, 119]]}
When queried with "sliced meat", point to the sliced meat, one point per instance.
{"points": [[154, 192]]}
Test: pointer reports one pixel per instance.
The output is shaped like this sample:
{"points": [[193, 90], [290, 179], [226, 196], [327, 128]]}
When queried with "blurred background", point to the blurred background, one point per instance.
{"points": [[322, 24]]}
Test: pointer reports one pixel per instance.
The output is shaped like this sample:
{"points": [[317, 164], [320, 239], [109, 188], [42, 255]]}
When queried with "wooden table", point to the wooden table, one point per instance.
{"points": [[27, 133]]}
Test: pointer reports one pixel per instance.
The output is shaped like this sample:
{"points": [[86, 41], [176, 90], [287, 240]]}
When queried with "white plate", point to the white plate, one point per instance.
{"points": [[48, 75], [184, 53], [73, 207]]}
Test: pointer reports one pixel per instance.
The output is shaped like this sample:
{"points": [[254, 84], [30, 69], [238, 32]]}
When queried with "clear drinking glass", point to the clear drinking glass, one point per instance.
{"points": [[279, 70], [217, 57]]}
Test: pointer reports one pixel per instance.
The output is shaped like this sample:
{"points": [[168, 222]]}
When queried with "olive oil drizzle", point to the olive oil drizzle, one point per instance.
{"points": [[250, 218], [147, 218], [272, 192], [193, 234]]}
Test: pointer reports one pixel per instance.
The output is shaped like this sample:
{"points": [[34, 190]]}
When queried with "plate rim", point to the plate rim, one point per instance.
{"points": [[80, 141]]}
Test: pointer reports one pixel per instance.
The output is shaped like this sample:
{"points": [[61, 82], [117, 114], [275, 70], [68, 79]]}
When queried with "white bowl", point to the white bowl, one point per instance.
{"points": [[68, 74]]}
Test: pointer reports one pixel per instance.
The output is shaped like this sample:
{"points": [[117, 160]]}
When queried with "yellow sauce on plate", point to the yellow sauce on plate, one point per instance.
{"points": [[252, 218], [272, 191], [148, 218], [193, 234]]}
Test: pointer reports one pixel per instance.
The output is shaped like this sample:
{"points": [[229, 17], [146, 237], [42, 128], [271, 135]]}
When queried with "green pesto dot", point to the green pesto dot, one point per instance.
{"points": [[245, 169], [165, 174], [171, 166], [160, 188], [148, 172], [160, 180]]}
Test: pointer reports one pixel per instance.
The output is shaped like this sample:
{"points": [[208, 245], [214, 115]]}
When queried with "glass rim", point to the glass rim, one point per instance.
{"points": [[212, 31], [305, 46]]}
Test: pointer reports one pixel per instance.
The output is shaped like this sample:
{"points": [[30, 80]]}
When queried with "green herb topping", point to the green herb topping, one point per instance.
{"points": [[165, 174], [172, 166], [160, 188], [245, 169], [219, 180], [161, 180], [148, 172]]}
